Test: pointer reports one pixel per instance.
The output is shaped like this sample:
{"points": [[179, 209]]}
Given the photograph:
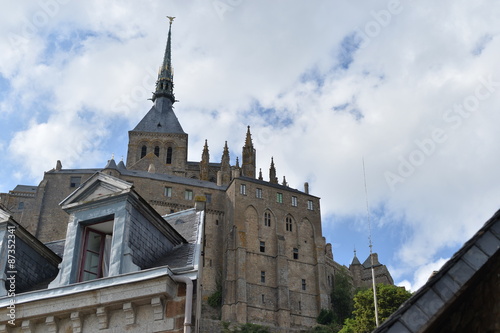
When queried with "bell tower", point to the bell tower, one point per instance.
{"points": [[158, 142]]}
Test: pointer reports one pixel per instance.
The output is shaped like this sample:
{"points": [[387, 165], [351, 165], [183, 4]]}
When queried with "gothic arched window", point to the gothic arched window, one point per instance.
{"points": [[169, 155], [288, 224], [144, 151], [267, 219], [157, 151]]}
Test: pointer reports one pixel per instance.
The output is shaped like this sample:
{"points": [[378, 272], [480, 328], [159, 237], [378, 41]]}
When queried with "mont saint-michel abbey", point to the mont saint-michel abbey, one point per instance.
{"points": [[163, 244]]}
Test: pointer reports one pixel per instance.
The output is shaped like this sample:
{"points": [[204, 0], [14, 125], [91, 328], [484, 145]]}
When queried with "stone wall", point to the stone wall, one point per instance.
{"points": [[265, 282], [145, 306]]}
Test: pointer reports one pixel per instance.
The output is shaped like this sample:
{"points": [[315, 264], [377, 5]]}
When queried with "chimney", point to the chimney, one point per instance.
{"points": [[306, 187], [200, 202]]}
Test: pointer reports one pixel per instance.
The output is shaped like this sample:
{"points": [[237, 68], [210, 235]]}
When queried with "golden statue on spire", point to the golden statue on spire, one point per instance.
{"points": [[171, 18]]}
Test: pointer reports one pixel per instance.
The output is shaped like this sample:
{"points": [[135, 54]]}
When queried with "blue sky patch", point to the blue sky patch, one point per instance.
{"points": [[481, 44], [4, 86], [350, 109], [348, 47], [69, 44], [313, 75], [271, 116]]}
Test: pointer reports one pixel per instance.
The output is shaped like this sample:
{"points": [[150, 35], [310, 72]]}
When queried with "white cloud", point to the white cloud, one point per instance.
{"points": [[422, 274]]}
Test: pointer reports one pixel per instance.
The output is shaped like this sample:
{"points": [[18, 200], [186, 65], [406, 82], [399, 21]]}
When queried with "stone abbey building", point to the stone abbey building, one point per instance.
{"points": [[195, 228]]}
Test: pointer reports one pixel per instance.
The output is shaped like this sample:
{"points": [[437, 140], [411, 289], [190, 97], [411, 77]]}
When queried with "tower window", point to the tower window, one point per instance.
{"points": [[168, 191], [263, 277], [188, 195], [310, 205], [279, 197], [144, 151], [294, 201], [75, 181], [295, 253], [157, 151], [288, 224], [243, 189], [262, 246], [258, 193], [304, 285], [20, 205], [267, 219], [169, 155]]}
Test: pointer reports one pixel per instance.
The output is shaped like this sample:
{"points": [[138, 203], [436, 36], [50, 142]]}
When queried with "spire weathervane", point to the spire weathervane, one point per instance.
{"points": [[165, 82]]}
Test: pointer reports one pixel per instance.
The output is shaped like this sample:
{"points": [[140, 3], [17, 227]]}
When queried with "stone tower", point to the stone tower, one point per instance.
{"points": [[158, 142]]}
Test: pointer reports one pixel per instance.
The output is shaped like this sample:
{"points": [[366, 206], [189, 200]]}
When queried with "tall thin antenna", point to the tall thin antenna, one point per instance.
{"points": [[371, 246]]}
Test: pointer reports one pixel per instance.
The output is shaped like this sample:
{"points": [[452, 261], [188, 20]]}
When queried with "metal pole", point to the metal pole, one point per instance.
{"points": [[374, 287]]}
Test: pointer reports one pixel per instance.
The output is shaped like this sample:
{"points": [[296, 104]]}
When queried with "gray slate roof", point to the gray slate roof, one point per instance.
{"points": [[160, 119], [368, 262], [57, 247], [171, 178], [441, 290], [187, 223], [355, 261], [25, 188]]}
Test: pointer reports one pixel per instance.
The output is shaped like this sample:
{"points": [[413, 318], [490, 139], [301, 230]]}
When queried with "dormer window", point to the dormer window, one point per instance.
{"points": [[112, 231]]}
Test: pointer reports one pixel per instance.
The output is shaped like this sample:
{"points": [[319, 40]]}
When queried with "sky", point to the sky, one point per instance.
{"points": [[402, 96]]}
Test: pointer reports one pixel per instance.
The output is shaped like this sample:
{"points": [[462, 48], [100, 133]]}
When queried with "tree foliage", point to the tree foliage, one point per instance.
{"points": [[389, 298], [342, 302]]}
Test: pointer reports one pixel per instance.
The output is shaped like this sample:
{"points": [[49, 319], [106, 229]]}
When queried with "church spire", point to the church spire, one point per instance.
{"points": [[248, 156], [165, 82]]}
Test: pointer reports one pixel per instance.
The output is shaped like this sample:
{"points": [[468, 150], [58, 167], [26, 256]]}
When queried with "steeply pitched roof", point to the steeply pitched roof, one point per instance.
{"points": [[442, 289], [160, 119], [355, 261], [368, 262], [189, 223]]}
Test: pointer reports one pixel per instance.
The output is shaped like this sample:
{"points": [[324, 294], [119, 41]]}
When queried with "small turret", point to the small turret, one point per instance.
{"points": [[224, 175], [248, 157], [272, 173], [204, 164]]}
